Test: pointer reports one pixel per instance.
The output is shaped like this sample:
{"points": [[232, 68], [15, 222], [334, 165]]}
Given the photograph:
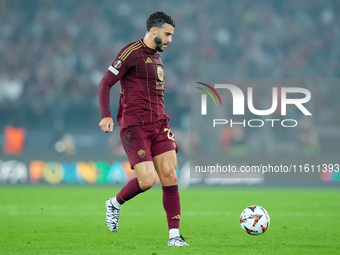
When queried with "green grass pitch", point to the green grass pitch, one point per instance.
{"points": [[71, 220]]}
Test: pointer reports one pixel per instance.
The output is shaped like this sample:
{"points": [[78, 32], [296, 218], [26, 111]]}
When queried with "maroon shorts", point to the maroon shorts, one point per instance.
{"points": [[142, 143]]}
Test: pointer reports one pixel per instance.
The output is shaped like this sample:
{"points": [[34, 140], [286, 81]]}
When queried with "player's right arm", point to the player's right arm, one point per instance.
{"points": [[106, 124], [114, 73]]}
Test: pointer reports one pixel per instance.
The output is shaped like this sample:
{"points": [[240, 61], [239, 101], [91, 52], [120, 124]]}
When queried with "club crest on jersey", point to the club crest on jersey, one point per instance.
{"points": [[117, 64], [141, 153], [160, 73]]}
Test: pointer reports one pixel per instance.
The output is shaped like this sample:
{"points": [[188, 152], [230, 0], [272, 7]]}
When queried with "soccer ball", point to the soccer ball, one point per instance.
{"points": [[254, 220]]}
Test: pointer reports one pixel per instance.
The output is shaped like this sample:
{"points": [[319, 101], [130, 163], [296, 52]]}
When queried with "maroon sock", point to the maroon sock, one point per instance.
{"points": [[130, 190], [172, 205]]}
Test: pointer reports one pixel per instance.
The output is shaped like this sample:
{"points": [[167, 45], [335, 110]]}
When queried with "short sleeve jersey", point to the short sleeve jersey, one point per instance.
{"points": [[141, 74]]}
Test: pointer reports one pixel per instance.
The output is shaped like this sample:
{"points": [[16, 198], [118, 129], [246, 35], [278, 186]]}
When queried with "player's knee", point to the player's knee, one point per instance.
{"points": [[172, 177], [147, 183], [171, 180], [169, 176]]}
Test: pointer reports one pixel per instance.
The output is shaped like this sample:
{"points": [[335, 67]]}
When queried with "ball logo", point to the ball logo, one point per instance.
{"points": [[254, 220]]}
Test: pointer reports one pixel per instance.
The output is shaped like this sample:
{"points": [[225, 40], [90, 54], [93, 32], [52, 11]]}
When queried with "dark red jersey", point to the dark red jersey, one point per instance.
{"points": [[141, 74]]}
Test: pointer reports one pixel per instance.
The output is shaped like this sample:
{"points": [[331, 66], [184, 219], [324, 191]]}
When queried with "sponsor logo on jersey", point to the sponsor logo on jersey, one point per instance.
{"points": [[160, 85]]}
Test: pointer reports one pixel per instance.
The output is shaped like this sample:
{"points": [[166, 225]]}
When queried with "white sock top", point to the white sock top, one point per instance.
{"points": [[115, 203], [173, 232]]}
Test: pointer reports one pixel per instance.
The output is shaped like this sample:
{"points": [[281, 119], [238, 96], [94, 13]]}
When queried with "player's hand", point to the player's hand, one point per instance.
{"points": [[106, 124]]}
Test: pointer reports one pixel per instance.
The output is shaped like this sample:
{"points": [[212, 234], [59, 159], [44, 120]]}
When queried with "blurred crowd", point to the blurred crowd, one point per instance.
{"points": [[53, 54]]}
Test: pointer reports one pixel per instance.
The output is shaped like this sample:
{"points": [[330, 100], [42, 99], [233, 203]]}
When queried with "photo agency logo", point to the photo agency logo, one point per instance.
{"points": [[281, 98]]}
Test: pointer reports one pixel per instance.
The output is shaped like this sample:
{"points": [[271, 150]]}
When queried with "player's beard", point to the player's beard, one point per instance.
{"points": [[159, 43]]}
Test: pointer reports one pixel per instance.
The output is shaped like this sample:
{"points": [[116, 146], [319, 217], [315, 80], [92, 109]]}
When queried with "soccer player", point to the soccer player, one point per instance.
{"points": [[145, 134]]}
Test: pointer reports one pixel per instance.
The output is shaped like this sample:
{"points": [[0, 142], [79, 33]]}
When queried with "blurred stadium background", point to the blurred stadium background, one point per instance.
{"points": [[53, 55]]}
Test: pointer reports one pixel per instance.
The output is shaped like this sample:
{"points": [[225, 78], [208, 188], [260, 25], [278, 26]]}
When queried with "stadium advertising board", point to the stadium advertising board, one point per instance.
{"points": [[54, 172], [99, 172]]}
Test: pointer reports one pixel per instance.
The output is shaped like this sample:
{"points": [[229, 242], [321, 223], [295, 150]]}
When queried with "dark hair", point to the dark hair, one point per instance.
{"points": [[158, 19]]}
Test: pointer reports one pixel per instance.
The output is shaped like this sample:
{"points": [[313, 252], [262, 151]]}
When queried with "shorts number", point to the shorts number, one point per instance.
{"points": [[170, 136]]}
